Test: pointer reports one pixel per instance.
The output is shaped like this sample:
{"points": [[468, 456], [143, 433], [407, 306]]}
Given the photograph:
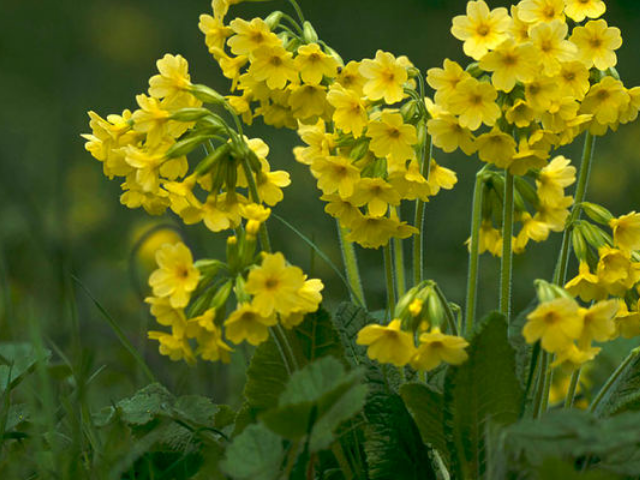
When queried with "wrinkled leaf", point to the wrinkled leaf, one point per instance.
{"points": [[255, 454], [426, 406]]}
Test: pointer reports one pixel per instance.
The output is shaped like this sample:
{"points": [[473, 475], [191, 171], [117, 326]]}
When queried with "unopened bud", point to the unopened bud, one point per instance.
{"points": [[579, 244], [273, 20], [548, 291], [189, 114], [309, 33], [207, 95], [597, 213]]}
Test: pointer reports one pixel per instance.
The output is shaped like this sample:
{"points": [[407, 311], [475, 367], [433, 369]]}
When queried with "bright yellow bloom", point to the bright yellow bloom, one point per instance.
{"points": [[175, 347], [574, 79], [532, 229], [249, 36], [313, 64], [585, 285], [552, 48], [578, 10], [211, 346], [448, 135], [248, 323], [215, 31], [626, 231], [388, 344], [221, 7], [341, 209], [597, 43], [445, 80], [273, 65], [173, 79], [490, 239], [520, 114], [350, 77], [474, 102], [308, 101], [350, 114], [410, 183], [554, 178], [527, 157], [510, 63], [598, 324], [616, 272], [627, 322], [391, 138], [519, 29], [376, 194], [481, 29], [375, 232], [496, 147], [555, 214], [166, 315], [177, 277], [385, 77], [441, 177], [336, 174], [606, 100], [436, 347], [541, 92], [573, 357], [556, 323], [275, 285], [537, 11]]}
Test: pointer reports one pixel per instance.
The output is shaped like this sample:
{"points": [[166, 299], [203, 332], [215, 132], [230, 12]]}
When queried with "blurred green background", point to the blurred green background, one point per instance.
{"points": [[60, 217]]}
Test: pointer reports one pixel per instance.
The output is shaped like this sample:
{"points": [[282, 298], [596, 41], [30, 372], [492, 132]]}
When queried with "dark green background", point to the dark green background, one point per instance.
{"points": [[59, 215]]}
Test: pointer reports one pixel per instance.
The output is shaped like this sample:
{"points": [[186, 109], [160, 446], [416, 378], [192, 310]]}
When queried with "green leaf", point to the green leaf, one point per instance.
{"points": [[426, 406], [317, 337], [624, 394], [17, 360], [196, 409], [315, 401], [481, 393], [266, 378], [349, 320], [553, 468], [255, 454], [393, 444], [145, 405], [524, 351]]}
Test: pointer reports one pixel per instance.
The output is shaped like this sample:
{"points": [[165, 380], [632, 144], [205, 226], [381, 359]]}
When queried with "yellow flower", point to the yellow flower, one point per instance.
{"points": [[248, 323], [173, 79], [527, 157], [219, 212], [273, 65], [440, 177], [211, 346], [215, 31], [511, 63], [174, 347], [519, 29], [388, 344], [474, 102], [385, 77], [627, 322], [481, 29], [578, 10], [376, 194], [350, 114], [585, 285], [520, 114], [275, 286], [151, 119], [490, 239], [551, 46], [554, 178], [249, 36], [555, 214], [537, 11], [391, 138], [221, 7], [556, 324], [541, 92], [606, 100], [313, 64], [341, 209], [177, 277], [496, 147], [573, 357], [573, 79], [336, 174], [445, 80], [532, 229], [165, 314], [350, 77], [448, 135], [307, 101], [598, 324], [626, 231], [436, 347], [375, 232], [597, 43], [616, 272]]}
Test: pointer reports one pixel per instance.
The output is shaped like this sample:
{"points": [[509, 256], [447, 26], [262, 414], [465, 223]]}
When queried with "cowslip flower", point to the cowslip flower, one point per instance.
{"points": [[475, 104], [481, 29], [387, 344], [626, 231], [436, 347], [273, 65], [313, 64], [556, 324], [391, 138], [537, 11], [176, 276], [248, 323], [350, 114], [385, 77], [510, 63], [597, 43]]}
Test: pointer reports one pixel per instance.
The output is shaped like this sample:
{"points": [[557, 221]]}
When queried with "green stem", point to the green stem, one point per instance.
{"points": [[474, 252], [255, 196], [451, 318], [612, 379], [542, 374], [351, 265], [560, 275], [548, 379], [507, 257], [418, 222], [398, 254], [391, 290], [284, 347], [298, 10], [573, 386]]}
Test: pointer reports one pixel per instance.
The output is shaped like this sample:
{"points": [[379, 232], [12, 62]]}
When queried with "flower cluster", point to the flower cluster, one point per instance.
{"points": [[192, 299], [149, 147], [534, 85], [420, 316], [363, 123]]}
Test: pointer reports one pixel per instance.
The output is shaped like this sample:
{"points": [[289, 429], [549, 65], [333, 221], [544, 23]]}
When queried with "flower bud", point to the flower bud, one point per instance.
{"points": [[189, 114], [186, 146], [548, 291], [207, 95], [210, 160], [209, 267], [273, 20], [221, 296], [309, 33], [594, 235], [597, 213], [579, 244]]}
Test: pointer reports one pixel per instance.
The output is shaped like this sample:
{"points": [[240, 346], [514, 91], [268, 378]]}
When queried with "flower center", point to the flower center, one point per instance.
{"points": [[483, 30]]}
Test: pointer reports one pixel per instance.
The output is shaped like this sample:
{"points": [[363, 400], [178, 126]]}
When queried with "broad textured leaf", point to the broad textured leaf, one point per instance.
{"points": [[146, 404], [624, 394], [426, 406], [553, 468], [315, 401], [317, 337], [523, 349], [482, 392], [349, 320], [255, 454], [266, 378], [197, 409], [393, 444]]}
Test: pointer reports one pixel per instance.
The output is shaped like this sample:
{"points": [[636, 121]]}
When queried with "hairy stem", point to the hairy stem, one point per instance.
{"points": [[391, 289], [507, 255], [351, 265], [474, 253], [573, 386], [418, 222]]}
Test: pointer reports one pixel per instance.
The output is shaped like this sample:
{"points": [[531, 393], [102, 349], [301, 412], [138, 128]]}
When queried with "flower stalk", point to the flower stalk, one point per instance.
{"points": [[506, 266]]}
